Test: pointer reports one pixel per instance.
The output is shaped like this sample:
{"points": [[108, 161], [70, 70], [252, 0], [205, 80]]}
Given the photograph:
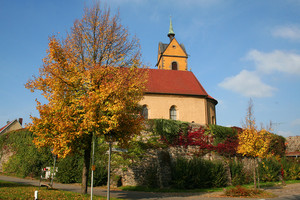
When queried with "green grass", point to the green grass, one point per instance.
{"points": [[271, 184], [9, 190], [172, 190]]}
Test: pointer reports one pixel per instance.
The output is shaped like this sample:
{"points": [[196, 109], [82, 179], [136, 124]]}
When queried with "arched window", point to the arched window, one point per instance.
{"points": [[173, 114], [174, 66], [145, 111]]}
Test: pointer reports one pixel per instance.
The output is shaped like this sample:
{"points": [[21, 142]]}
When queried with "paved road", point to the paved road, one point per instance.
{"points": [[289, 192]]}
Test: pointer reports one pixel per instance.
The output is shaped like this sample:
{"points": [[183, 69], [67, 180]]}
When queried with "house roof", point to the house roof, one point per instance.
{"points": [[7, 125], [175, 82], [293, 154], [10, 123]]}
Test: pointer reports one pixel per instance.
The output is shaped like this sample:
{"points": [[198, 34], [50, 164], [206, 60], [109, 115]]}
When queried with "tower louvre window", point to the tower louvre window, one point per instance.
{"points": [[174, 66]]}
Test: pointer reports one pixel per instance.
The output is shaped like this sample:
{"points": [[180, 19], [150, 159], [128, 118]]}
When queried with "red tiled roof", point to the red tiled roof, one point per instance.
{"points": [[7, 125], [3, 127], [293, 154], [175, 82]]}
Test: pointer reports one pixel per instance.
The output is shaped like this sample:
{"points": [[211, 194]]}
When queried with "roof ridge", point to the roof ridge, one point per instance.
{"points": [[7, 125]]}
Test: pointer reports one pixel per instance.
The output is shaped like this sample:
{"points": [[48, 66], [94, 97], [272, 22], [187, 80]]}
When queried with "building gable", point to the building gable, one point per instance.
{"points": [[174, 49], [172, 56], [11, 126]]}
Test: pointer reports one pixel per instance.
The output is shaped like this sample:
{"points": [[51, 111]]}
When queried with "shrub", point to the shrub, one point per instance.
{"points": [[277, 145], [168, 129], [70, 169], [221, 133], [197, 173], [269, 170], [219, 178], [291, 169], [238, 176], [100, 174], [239, 191], [27, 159]]}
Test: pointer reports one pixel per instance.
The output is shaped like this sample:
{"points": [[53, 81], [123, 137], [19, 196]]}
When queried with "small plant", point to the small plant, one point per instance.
{"points": [[238, 176], [240, 191], [270, 170]]}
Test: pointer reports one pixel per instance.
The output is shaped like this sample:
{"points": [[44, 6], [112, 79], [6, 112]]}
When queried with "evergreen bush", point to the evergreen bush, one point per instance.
{"points": [[168, 129], [219, 177], [197, 173], [238, 176], [70, 169], [100, 173], [269, 170], [27, 160], [221, 133], [291, 169]]}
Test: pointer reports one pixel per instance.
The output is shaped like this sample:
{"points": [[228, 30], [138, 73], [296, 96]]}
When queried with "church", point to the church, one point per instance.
{"points": [[173, 92]]}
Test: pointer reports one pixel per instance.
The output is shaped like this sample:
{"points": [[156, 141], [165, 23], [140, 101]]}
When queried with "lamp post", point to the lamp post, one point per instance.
{"points": [[109, 139], [108, 175]]}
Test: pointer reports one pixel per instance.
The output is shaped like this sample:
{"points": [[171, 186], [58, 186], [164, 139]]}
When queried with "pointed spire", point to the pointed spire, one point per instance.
{"points": [[171, 33]]}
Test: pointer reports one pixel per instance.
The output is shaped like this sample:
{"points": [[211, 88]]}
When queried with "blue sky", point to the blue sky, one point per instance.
{"points": [[237, 49]]}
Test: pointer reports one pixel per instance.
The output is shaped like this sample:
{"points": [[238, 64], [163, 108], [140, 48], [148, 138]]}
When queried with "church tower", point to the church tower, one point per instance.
{"points": [[172, 56], [173, 92]]}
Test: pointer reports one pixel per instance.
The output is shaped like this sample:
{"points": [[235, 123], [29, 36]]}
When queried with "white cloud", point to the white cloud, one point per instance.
{"points": [[288, 32], [277, 60], [248, 84], [296, 122]]}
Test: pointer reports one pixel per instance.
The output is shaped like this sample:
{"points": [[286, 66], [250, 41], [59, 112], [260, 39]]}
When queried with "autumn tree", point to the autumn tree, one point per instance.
{"points": [[253, 143], [92, 85]]}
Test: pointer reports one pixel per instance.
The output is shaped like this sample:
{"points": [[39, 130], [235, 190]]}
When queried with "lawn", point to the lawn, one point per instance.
{"points": [[10, 190], [147, 189]]}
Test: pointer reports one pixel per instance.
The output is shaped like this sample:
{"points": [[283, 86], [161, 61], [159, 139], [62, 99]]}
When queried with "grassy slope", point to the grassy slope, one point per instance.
{"points": [[10, 190]]}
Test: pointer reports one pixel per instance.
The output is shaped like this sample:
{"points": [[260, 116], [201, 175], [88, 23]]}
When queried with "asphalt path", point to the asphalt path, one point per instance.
{"points": [[289, 192]]}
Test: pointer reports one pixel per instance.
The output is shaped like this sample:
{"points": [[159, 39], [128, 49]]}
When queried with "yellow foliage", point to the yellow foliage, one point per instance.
{"points": [[92, 83], [254, 143]]}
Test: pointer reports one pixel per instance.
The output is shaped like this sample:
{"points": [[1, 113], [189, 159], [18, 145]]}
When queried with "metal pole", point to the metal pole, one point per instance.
{"points": [[108, 177], [93, 167]]}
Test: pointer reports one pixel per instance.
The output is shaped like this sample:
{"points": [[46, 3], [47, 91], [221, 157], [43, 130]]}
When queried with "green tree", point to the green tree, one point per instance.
{"points": [[93, 85]]}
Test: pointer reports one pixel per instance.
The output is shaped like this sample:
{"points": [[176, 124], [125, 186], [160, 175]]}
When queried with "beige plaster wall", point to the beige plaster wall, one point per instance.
{"points": [[211, 112], [188, 108]]}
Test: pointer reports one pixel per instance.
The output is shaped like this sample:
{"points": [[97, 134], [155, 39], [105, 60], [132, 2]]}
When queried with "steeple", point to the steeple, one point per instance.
{"points": [[171, 33]]}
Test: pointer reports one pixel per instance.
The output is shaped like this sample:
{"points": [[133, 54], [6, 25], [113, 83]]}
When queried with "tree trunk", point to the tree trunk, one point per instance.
{"points": [[257, 167], [86, 167], [254, 173]]}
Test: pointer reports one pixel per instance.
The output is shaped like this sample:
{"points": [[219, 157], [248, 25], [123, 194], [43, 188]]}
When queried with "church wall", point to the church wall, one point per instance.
{"points": [[189, 108], [211, 112]]}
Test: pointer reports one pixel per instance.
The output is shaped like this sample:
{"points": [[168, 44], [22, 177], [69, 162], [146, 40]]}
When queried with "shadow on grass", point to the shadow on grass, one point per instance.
{"points": [[11, 184]]}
